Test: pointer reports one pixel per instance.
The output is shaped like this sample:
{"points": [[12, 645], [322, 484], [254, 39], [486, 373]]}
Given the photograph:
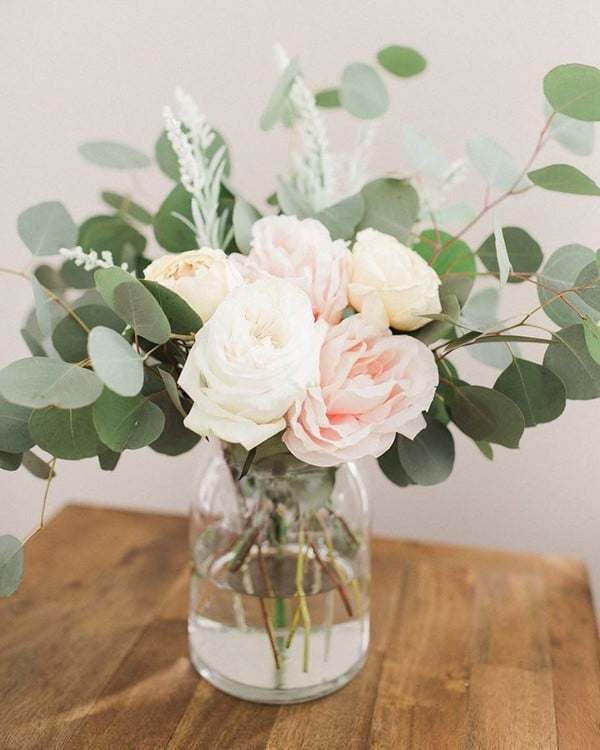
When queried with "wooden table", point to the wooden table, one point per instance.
{"points": [[471, 649]]}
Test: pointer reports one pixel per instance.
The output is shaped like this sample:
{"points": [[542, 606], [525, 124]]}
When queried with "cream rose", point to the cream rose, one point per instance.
{"points": [[302, 252], [256, 355], [391, 285], [372, 386], [202, 277]]}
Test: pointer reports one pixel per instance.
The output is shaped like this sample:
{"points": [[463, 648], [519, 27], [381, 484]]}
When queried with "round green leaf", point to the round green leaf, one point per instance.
{"points": [[590, 276], [592, 339], [11, 564], [175, 438], [48, 311], [114, 361], [70, 339], [65, 433], [328, 98], [424, 156], [50, 278], [403, 62], [291, 201], [276, 105], [46, 228], [244, 218], [560, 272], [535, 389], [37, 467], [182, 318], [40, 381], [125, 206], [113, 155], [488, 415], [14, 433], [108, 460], [114, 234], [574, 90], [390, 465], [127, 422], [455, 264], [342, 218], [442, 327], [497, 167], [524, 253], [574, 135], [563, 178], [428, 458], [362, 92], [10, 461], [569, 358], [170, 232], [391, 206]]}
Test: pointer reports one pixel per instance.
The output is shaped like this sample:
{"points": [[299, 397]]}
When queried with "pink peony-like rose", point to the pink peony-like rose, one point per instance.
{"points": [[372, 385], [301, 251]]}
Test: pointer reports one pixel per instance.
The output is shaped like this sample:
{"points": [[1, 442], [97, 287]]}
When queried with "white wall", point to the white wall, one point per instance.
{"points": [[72, 71]]}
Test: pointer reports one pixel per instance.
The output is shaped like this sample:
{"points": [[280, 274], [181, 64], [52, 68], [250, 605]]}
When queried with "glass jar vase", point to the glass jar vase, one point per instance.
{"points": [[280, 553]]}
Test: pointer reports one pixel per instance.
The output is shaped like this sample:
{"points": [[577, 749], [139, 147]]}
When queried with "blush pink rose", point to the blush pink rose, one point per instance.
{"points": [[372, 385], [301, 251]]}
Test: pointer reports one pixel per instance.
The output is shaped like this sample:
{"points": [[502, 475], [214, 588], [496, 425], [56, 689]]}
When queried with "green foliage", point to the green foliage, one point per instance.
{"points": [[501, 253], [114, 361], [170, 231], [38, 381], [429, 458], [36, 466], [166, 158], [11, 564], [276, 106], [113, 155], [342, 218], [424, 156], [328, 98], [362, 92], [290, 200], [390, 465], [574, 90], [443, 325], [65, 433], [127, 422], [524, 253], [46, 228], [172, 390], [175, 438], [391, 206], [108, 460], [589, 278], [454, 263], [560, 272], [114, 234], [127, 207], [574, 135], [244, 216], [497, 167], [536, 390], [47, 310], [14, 432], [488, 415], [10, 461], [69, 338], [182, 318], [50, 278], [563, 178], [569, 358], [591, 333], [403, 62]]}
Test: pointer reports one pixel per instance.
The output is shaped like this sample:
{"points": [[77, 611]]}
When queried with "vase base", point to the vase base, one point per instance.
{"points": [[275, 696]]}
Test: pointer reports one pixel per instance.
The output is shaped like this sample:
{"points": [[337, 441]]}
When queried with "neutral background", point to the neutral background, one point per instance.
{"points": [[71, 71]]}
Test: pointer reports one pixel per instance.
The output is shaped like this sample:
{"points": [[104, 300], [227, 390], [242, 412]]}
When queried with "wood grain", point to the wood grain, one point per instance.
{"points": [[471, 649]]}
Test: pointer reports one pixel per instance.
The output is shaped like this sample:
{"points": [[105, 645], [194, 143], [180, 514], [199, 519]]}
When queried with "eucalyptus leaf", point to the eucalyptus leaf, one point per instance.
{"points": [[390, 465], [497, 167], [569, 358], [127, 422], [70, 338], [391, 206], [574, 90], [40, 381], [276, 105], [423, 155], [34, 346], [10, 461], [65, 433], [524, 253], [46, 228], [574, 135], [47, 309], [328, 98], [564, 178], [244, 218], [50, 278], [124, 205], [114, 361], [403, 62], [443, 327], [11, 564], [536, 390], [488, 415], [175, 438], [14, 432], [362, 92], [456, 214], [36, 466], [454, 264], [167, 161], [108, 460], [182, 318], [501, 252], [170, 231], [590, 278], [114, 234], [172, 390], [591, 334], [429, 458], [342, 218], [113, 155], [485, 448]]}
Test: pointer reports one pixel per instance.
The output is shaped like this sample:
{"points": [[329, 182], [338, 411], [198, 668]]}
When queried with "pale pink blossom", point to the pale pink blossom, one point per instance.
{"points": [[372, 385], [302, 252]]}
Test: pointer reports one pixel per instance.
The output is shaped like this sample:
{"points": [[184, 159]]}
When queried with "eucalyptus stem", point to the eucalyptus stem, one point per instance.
{"points": [[300, 593]]}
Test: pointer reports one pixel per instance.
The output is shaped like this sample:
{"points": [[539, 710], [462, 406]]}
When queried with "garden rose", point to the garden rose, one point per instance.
{"points": [[391, 285], [202, 277], [303, 252], [372, 386], [256, 355]]}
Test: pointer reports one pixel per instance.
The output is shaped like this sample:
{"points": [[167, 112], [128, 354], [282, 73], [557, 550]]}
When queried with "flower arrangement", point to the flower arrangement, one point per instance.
{"points": [[324, 329]]}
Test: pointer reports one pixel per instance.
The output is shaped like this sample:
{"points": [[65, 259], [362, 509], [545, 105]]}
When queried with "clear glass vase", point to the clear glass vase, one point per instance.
{"points": [[279, 602]]}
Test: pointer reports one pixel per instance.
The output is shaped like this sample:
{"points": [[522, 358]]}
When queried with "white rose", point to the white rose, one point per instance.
{"points": [[254, 358], [202, 277], [391, 285]]}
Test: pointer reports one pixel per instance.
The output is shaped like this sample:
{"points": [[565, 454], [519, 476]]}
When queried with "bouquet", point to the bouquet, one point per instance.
{"points": [[321, 327]]}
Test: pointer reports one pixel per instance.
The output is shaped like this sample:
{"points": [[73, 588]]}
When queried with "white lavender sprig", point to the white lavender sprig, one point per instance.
{"points": [[90, 260]]}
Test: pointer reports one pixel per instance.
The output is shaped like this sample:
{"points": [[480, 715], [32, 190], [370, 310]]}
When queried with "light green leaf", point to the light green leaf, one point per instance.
{"points": [[574, 90], [524, 253], [291, 201], [442, 328], [34, 346], [328, 98], [70, 338], [590, 276], [172, 390], [429, 458], [114, 361], [536, 390], [488, 415], [574, 135], [182, 318], [113, 155], [48, 311], [39, 382], [457, 214], [485, 448], [423, 155], [391, 206], [342, 218], [244, 218], [46, 228], [127, 422], [501, 252], [569, 358], [563, 178], [591, 333], [11, 564], [455, 264], [65, 433], [497, 167], [14, 433], [277, 102], [126, 206], [170, 232], [403, 62], [166, 158], [560, 272], [362, 92]]}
